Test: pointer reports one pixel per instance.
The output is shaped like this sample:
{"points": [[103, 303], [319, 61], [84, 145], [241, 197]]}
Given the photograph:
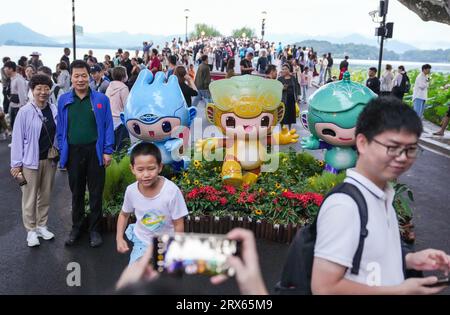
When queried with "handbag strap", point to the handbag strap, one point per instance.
{"points": [[43, 123]]}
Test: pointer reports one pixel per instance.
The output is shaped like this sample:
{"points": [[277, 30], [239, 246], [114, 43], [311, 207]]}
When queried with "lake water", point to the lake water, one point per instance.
{"points": [[51, 56]]}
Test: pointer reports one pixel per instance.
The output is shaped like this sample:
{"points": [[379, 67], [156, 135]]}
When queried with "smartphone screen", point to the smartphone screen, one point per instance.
{"points": [[194, 254]]}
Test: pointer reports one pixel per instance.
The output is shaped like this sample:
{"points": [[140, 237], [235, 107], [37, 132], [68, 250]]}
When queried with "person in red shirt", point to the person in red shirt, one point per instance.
{"points": [[155, 63]]}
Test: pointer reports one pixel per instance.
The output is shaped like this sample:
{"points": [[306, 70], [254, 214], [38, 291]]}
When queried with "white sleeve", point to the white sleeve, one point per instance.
{"points": [[178, 208], [127, 206], [338, 229]]}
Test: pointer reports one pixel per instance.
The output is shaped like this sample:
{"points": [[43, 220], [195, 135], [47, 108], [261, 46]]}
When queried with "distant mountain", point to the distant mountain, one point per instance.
{"points": [[18, 33], [390, 44]]}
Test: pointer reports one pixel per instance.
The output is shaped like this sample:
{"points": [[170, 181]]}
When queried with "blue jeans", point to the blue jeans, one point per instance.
{"points": [[139, 247], [202, 95], [419, 106], [304, 89]]}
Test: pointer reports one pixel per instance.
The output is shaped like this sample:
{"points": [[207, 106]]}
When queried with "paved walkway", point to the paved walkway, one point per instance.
{"points": [[42, 270]]}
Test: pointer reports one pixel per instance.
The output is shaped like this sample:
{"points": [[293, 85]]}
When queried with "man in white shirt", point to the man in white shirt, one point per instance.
{"points": [[387, 136], [421, 90]]}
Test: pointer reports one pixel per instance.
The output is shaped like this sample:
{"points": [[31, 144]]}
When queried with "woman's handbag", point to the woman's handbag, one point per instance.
{"points": [[53, 153]]}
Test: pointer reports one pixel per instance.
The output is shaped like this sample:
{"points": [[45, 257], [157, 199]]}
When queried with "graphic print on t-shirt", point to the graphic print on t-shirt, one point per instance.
{"points": [[153, 220]]}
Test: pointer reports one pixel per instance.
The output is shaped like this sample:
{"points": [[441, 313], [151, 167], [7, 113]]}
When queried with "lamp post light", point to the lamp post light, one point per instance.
{"points": [[186, 14], [384, 30], [263, 24]]}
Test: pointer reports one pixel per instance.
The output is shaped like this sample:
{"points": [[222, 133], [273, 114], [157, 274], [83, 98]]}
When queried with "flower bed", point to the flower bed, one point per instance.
{"points": [[274, 208]]}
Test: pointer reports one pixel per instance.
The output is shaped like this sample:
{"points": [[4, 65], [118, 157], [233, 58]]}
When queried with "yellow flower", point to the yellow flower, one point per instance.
{"points": [[196, 182], [260, 190], [188, 181], [258, 212], [173, 179], [272, 193], [185, 175], [285, 160], [321, 164], [277, 185], [197, 163], [285, 190]]}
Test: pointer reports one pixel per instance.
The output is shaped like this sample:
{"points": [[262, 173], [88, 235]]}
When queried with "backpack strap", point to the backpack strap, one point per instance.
{"points": [[352, 191]]}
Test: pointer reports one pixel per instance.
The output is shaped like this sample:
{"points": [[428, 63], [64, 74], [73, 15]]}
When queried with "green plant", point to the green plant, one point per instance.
{"points": [[402, 199], [325, 182]]}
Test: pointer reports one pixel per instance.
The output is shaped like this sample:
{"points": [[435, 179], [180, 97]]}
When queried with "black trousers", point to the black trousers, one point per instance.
{"points": [[83, 167]]}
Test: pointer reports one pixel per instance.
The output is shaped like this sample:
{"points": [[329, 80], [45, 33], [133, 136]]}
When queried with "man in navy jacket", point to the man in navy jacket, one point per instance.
{"points": [[85, 136]]}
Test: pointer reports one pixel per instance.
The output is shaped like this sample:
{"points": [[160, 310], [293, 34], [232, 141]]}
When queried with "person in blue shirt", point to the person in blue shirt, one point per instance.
{"points": [[85, 135]]}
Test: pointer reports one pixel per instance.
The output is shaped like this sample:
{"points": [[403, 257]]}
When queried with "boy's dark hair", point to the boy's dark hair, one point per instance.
{"points": [[155, 51], [387, 113], [426, 66], [10, 64], [204, 57], [6, 59], [172, 59], [40, 79], [373, 69], [145, 148], [79, 64]]}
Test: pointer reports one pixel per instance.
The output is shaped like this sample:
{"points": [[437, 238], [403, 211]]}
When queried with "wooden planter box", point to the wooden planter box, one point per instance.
{"points": [[261, 228]]}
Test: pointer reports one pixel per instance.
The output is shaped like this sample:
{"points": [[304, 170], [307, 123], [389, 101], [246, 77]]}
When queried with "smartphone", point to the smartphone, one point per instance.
{"points": [[440, 283], [194, 254]]}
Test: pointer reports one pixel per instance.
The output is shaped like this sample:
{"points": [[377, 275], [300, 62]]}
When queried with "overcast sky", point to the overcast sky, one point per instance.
{"points": [[312, 17]]}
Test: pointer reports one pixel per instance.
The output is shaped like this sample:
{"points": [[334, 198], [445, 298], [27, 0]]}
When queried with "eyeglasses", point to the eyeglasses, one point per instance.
{"points": [[396, 151]]}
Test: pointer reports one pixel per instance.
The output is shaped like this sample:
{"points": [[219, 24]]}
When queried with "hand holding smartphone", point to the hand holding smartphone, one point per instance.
{"points": [[203, 254], [440, 283]]}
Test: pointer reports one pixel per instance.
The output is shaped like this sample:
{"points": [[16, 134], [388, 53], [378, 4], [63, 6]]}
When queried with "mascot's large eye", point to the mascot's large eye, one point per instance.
{"points": [[166, 126], [265, 121], [137, 129], [328, 132], [231, 122]]}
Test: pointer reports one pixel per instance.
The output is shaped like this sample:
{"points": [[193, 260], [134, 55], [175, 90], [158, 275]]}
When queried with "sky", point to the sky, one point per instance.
{"points": [[311, 17]]}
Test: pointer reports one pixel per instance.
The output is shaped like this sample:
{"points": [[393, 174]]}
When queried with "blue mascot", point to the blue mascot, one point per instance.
{"points": [[157, 112]]}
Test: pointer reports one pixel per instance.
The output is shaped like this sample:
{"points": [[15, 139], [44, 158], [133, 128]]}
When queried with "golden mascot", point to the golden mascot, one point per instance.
{"points": [[245, 109]]}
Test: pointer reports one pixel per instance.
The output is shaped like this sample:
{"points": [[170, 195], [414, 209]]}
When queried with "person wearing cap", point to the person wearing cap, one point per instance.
{"points": [[98, 83], [35, 61]]}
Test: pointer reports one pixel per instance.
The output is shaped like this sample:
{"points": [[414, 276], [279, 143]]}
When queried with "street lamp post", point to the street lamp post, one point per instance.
{"points": [[186, 14], [263, 24], [74, 36]]}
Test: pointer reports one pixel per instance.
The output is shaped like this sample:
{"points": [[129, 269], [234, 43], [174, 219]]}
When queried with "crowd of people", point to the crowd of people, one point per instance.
{"points": [[71, 118]]}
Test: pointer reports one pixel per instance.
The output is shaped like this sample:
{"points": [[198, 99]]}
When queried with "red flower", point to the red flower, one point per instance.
{"points": [[223, 201], [230, 189], [251, 198]]}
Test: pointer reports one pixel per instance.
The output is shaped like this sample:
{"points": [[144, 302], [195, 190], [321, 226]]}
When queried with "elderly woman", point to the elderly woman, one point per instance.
{"points": [[33, 158]]}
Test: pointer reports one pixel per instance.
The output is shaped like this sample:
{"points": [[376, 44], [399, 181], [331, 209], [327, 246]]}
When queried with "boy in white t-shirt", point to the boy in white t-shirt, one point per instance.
{"points": [[157, 203]]}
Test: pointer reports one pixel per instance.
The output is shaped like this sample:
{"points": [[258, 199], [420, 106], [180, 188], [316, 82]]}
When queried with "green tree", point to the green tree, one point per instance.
{"points": [[249, 32], [208, 31]]}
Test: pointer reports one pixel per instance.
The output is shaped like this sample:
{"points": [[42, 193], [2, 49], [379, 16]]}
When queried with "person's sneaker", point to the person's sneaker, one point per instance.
{"points": [[95, 239], [43, 232], [73, 236], [32, 239]]}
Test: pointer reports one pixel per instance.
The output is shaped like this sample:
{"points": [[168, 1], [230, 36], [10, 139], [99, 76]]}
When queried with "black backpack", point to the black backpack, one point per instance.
{"points": [[405, 84], [297, 271]]}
